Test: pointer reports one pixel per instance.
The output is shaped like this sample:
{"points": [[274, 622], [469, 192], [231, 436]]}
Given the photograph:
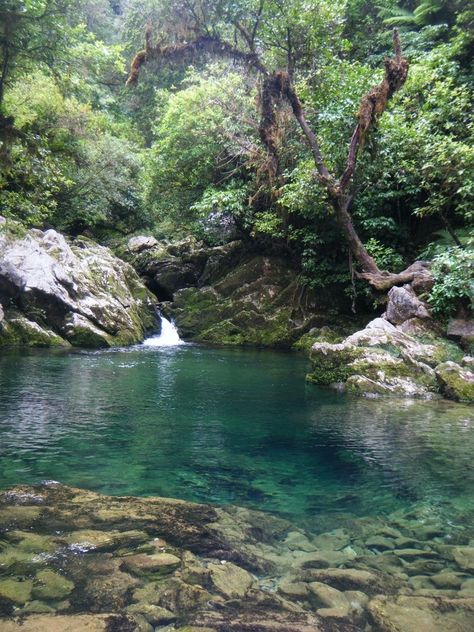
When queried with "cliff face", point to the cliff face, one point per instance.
{"points": [[230, 295], [55, 292]]}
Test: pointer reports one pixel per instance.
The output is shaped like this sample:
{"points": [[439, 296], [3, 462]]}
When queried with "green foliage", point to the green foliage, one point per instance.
{"points": [[386, 257], [453, 271], [182, 153]]}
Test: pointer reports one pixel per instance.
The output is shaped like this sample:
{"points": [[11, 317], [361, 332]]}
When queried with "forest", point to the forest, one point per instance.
{"points": [[236, 316], [203, 140]]}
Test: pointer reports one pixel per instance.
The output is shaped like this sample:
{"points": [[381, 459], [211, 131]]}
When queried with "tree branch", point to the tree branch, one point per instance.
{"points": [[373, 104]]}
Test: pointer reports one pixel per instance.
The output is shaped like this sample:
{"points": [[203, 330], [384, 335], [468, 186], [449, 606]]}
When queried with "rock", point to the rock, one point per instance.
{"points": [[324, 559], [36, 607], [464, 557], [160, 563], [404, 304], [455, 381], [347, 579], [108, 591], [70, 623], [140, 243], [95, 540], [61, 292], [332, 540], [328, 601], [18, 330], [381, 360], [153, 614], [51, 586], [379, 543], [15, 592], [462, 330], [293, 589], [231, 580], [422, 614], [448, 579], [297, 541]]}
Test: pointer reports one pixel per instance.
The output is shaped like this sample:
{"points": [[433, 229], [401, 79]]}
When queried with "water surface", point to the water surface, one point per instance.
{"points": [[226, 426]]}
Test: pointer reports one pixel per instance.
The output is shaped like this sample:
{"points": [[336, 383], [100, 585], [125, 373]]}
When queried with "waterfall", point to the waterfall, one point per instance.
{"points": [[169, 336]]}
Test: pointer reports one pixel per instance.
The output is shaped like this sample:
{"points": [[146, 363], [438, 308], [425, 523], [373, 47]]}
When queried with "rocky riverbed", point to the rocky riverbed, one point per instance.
{"points": [[77, 560]]}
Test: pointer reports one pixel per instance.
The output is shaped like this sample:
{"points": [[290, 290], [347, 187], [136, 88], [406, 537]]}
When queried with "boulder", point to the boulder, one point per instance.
{"points": [[455, 382], [160, 563], [462, 330], [382, 359], [404, 304], [422, 614], [231, 580], [57, 292]]}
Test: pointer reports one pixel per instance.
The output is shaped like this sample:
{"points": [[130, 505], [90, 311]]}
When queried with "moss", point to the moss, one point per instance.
{"points": [[456, 382], [19, 331]]}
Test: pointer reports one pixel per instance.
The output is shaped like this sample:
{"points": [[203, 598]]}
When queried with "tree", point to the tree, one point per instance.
{"points": [[209, 30]]}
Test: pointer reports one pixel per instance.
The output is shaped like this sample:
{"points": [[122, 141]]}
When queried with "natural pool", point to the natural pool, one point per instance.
{"points": [[241, 427], [224, 426]]}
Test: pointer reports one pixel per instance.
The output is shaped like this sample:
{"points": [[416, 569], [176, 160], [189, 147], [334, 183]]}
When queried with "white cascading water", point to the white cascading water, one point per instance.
{"points": [[169, 336]]}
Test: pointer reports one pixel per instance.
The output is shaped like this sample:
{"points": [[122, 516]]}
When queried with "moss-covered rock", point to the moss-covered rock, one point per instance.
{"points": [[19, 331], [382, 360], [59, 292], [455, 382]]}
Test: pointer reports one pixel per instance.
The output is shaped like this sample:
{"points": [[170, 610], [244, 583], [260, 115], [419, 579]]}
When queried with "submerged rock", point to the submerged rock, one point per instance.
{"points": [[56, 292]]}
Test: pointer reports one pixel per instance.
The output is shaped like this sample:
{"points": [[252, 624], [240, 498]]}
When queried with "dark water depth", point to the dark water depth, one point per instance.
{"points": [[226, 426]]}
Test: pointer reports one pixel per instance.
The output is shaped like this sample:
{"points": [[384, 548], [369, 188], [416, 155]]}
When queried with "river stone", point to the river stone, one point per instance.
{"points": [[296, 540], [448, 579], [422, 614], [380, 543], [161, 563], [153, 614], [231, 580], [324, 559], [70, 623], [15, 592], [51, 586], [455, 381], [464, 557], [404, 304], [346, 578], [332, 540], [293, 589], [329, 601], [32, 542], [93, 539]]}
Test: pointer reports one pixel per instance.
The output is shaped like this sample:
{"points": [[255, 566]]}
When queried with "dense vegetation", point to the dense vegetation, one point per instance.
{"points": [[183, 153]]}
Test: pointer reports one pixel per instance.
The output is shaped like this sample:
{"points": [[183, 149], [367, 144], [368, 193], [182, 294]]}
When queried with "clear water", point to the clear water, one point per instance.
{"points": [[226, 426]]}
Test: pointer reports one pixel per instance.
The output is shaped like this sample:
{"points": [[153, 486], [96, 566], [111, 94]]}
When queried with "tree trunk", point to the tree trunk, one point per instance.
{"points": [[346, 225]]}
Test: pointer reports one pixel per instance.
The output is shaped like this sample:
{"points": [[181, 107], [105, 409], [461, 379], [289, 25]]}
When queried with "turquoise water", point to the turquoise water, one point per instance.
{"points": [[226, 426]]}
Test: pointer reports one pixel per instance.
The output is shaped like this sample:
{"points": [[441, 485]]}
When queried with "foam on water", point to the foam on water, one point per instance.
{"points": [[168, 337]]}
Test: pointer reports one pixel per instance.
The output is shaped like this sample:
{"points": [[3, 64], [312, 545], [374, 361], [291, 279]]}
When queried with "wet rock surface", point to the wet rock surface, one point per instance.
{"points": [[228, 294], [57, 293], [77, 560]]}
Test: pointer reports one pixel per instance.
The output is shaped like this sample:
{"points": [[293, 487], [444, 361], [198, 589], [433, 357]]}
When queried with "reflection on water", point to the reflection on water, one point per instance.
{"points": [[225, 426]]}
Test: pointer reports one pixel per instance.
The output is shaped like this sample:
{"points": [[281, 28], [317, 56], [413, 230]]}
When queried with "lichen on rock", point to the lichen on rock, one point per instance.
{"points": [[57, 292]]}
